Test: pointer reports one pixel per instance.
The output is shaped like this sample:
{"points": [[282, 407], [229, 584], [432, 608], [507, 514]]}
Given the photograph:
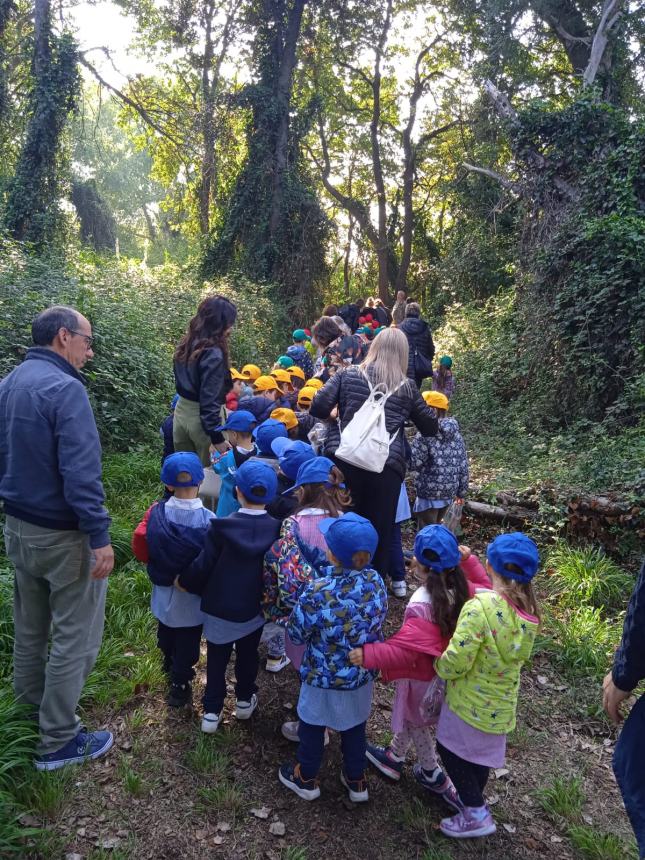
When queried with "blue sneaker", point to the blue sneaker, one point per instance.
{"points": [[440, 784], [307, 789], [384, 760], [85, 746]]}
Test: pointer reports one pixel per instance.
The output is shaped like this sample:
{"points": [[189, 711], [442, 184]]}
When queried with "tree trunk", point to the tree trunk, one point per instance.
{"points": [[283, 100], [208, 128], [382, 249]]}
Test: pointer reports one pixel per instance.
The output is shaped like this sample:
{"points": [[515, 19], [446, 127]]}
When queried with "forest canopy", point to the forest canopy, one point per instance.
{"points": [[468, 152]]}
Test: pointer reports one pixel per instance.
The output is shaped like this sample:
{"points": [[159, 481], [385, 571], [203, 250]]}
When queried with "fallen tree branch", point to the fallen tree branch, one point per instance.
{"points": [[515, 517]]}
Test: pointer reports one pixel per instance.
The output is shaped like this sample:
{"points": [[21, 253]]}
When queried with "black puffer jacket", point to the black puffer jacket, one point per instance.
{"points": [[420, 340], [349, 390], [207, 382]]}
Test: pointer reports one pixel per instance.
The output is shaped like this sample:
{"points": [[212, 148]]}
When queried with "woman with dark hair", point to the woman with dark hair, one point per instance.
{"points": [[420, 342], [203, 378], [337, 348]]}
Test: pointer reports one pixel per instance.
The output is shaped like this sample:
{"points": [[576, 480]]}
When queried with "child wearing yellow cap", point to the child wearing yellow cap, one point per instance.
{"points": [[440, 463]]}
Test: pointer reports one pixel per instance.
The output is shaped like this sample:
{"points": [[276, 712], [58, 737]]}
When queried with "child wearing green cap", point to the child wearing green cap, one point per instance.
{"points": [[299, 354], [442, 378]]}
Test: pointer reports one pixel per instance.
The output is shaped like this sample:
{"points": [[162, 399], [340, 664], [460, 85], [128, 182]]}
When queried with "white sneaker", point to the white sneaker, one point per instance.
{"points": [[243, 710], [210, 723], [290, 732], [276, 664], [399, 588]]}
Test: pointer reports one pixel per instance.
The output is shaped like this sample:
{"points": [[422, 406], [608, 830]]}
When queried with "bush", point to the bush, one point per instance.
{"points": [[138, 315]]}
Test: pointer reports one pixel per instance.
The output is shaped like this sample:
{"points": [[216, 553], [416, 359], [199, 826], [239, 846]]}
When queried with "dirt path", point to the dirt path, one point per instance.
{"points": [[166, 791]]}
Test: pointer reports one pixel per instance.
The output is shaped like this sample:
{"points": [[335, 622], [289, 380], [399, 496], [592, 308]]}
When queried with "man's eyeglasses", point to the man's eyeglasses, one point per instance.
{"points": [[89, 340]]}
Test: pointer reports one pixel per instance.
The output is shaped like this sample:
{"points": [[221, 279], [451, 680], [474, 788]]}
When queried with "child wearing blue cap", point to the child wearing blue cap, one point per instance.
{"points": [[170, 536], [228, 576], [318, 492], [452, 576], [481, 666], [264, 435], [238, 432], [338, 612]]}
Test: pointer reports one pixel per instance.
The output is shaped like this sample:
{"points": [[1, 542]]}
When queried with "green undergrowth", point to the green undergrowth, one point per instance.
{"points": [[509, 419], [585, 597]]}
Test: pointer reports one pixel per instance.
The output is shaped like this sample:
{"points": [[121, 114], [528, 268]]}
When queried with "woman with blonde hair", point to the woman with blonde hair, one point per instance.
{"points": [[375, 494]]}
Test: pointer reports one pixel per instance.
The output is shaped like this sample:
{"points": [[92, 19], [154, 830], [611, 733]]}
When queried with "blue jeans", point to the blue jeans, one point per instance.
{"points": [[312, 745], [397, 562], [629, 768]]}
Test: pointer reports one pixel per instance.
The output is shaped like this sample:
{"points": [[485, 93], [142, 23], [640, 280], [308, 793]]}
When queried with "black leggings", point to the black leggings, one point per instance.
{"points": [[469, 779], [375, 497]]}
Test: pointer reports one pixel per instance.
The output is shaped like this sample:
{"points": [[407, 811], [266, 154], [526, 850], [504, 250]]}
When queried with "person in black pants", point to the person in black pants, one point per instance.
{"points": [[628, 670], [228, 576], [375, 494]]}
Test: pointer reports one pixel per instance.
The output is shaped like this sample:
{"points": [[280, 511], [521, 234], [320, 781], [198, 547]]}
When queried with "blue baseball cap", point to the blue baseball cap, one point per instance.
{"points": [[347, 535], [315, 470], [266, 432], [240, 420], [257, 482], [439, 540], [514, 548], [182, 461], [291, 455]]}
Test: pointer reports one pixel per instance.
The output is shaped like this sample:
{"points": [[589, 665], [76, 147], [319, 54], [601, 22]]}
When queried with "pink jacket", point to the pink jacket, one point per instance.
{"points": [[410, 652]]}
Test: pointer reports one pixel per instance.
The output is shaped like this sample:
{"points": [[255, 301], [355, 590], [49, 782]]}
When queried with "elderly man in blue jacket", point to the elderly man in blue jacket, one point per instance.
{"points": [[627, 672], [56, 532]]}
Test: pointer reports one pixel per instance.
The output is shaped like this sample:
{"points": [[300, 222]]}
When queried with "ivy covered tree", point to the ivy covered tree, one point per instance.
{"points": [[274, 228], [32, 211]]}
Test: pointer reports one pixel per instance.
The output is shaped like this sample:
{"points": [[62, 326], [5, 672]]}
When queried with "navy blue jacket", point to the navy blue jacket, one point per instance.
{"points": [[171, 547], [166, 434], [259, 406], [50, 453], [629, 663], [228, 571]]}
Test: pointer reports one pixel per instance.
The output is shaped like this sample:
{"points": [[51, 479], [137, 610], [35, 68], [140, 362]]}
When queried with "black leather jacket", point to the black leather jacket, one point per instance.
{"points": [[207, 382], [348, 390]]}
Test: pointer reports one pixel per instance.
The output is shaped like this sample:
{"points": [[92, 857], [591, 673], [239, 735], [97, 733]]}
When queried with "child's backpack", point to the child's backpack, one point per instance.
{"points": [[365, 441], [288, 566]]}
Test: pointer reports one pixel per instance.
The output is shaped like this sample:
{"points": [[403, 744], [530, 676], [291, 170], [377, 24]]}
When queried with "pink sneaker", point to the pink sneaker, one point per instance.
{"points": [[466, 825]]}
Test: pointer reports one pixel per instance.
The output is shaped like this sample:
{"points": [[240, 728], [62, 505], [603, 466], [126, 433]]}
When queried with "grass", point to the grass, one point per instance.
{"points": [[132, 781], [209, 756], [222, 797], [437, 852], [581, 641], [47, 793], [563, 799], [585, 576], [294, 852], [592, 844]]}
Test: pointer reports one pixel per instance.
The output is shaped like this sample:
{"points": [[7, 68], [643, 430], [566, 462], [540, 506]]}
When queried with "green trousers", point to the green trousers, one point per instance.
{"points": [[188, 433], [54, 596]]}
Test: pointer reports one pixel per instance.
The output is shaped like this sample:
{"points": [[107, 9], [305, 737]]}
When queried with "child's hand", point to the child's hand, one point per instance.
{"points": [[177, 585], [465, 552], [356, 656]]}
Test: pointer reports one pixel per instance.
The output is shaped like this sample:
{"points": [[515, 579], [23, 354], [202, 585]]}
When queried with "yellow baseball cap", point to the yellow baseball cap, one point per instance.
{"points": [[286, 416], [265, 383], [235, 374], [251, 371], [294, 370], [436, 399], [306, 394], [314, 383], [281, 375]]}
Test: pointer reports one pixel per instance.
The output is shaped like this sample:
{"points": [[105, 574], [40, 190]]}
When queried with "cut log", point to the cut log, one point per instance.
{"points": [[517, 516]]}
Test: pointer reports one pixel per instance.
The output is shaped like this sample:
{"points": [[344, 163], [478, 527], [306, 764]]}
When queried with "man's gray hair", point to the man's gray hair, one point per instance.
{"points": [[45, 326], [413, 309]]}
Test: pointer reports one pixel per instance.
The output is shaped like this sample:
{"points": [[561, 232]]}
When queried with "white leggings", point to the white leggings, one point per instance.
{"points": [[423, 740]]}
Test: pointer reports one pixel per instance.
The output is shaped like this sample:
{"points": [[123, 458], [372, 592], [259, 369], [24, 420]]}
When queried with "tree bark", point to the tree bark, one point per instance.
{"points": [[599, 55], [283, 101], [382, 248]]}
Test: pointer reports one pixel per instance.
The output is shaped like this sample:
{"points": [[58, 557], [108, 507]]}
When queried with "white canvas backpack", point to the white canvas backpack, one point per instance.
{"points": [[365, 441]]}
